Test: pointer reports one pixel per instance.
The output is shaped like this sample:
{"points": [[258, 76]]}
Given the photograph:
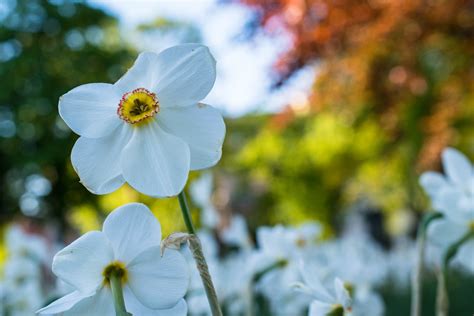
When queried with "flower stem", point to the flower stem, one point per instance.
{"points": [[442, 301], [417, 276], [442, 298], [196, 249], [117, 293], [186, 213]]}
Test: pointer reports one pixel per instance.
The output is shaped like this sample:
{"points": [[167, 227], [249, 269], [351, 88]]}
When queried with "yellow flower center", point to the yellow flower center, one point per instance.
{"points": [[138, 106], [471, 225], [117, 269], [337, 310], [301, 242]]}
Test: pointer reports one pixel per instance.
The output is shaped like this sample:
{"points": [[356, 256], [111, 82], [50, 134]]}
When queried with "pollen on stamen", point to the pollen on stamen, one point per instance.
{"points": [[138, 106]]}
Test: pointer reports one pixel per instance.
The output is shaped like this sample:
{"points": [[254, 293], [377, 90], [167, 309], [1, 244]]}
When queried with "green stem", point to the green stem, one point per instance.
{"points": [[442, 298], [273, 266], [453, 249], [196, 249], [186, 213], [117, 293], [417, 277]]}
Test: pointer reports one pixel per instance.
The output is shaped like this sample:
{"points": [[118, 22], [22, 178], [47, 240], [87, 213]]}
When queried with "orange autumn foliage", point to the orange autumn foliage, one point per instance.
{"points": [[408, 62]]}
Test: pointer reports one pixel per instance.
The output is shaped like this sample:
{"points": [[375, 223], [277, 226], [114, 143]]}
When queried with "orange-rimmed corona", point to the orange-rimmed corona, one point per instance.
{"points": [[138, 106]]}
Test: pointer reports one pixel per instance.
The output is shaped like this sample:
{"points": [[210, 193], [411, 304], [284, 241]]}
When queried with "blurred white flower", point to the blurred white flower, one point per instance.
{"points": [[287, 243], [327, 300], [23, 290], [237, 233], [278, 256], [332, 296], [128, 247], [368, 262], [23, 299], [367, 302], [453, 196], [22, 244], [19, 269], [147, 129], [201, 193]]}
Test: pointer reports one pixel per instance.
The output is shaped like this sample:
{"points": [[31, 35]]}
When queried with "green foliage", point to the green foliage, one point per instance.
{"points": [[48, 49]]}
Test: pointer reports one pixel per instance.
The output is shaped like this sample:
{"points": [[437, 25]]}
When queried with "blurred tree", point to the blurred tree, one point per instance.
{"points": [[394, 86], [47, 48]]}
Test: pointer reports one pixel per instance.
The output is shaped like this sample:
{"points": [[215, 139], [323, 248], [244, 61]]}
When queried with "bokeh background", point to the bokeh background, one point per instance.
{"points": [[332, 107]]}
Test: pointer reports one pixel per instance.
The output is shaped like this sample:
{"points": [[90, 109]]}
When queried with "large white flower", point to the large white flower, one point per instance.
{"points": [[128, 246], [147, 129]]}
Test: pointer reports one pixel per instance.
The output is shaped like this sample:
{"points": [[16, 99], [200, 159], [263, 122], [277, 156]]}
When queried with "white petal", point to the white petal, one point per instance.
{"points": [[432, 182], [81, 263], [143, 74], [186, 75], [318, 308], [154, 162], [201, 126], [90, 110], [342, 294], [100, 304], [136, 308], [466, 255], [65, 303], [131, 229], [313, 281], [450, 203], [444, 232], [457, 167], [158, 282], [97, 161]]}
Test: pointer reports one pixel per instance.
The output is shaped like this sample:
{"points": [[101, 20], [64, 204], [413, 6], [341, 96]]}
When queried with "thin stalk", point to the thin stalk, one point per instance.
{"points": [[117, 293], [196, 249], [417, 276], [188, 220], [442, 298]]}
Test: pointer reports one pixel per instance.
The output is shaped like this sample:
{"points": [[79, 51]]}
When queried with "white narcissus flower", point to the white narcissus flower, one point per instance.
{"points": [[129, 247], [452, 195], [148, 129], [326, 301], [280, 251]]}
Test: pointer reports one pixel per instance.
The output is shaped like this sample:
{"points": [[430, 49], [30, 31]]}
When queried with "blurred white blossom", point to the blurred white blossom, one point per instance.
{"points": [[452, 194]]}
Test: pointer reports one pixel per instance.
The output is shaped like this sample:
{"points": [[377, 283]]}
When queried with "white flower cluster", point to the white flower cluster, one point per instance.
{"points": [[294, 270]]}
